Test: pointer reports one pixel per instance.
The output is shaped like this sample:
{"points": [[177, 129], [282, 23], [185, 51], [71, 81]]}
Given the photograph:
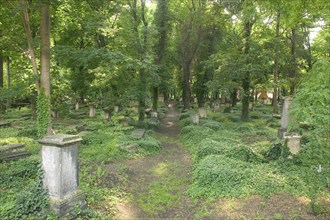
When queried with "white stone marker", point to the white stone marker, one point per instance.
{"points": [[60, 165], [195, 118], [77, 106], [116, 108], [92, 111], [154, 115], [202, 112], [293, 142]]}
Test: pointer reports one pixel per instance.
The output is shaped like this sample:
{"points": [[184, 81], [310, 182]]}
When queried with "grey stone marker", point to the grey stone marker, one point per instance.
{"points": [[138, 133], [285, 118], [60, 165], [135, 110], [195, 118], [92, 111], [116, 108], [161, 99], [202, 112], [216, 107], [77, 106]]}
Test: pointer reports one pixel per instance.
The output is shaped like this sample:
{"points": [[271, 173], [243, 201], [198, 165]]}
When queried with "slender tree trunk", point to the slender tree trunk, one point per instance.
{"points": [[45, 55], [26, 24], [233, 97], [293, 73], [8, 80], [275, 92], [186, 86], [155, 98], [2, 106], [246, 78]]}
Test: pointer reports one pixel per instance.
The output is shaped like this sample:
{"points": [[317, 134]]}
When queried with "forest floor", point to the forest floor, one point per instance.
{"points": [[155, 188]]}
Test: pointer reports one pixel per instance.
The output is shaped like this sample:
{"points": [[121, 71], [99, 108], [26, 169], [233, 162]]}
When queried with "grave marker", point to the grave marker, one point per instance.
{"points": [[195, 118], [12, 152], [60, 164], [92, 111], [202, 112], [138, 133], [285, 117]]}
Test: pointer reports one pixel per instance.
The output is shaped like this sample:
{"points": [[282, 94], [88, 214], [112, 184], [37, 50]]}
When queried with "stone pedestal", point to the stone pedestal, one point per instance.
{"points": [[60, 165], [92, 111], [202, 112], [293, 142], [195, 118]]}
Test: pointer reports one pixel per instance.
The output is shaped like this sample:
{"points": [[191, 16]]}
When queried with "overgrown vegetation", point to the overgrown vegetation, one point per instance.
{"points": [[235, 160]]}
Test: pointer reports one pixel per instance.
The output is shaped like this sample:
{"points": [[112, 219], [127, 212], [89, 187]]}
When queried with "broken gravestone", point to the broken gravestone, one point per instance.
{"points": [[12, 152], [130, 148]]}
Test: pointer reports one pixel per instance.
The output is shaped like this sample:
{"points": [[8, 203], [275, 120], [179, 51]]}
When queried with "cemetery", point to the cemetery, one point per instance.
{"points": [[164, 109]]}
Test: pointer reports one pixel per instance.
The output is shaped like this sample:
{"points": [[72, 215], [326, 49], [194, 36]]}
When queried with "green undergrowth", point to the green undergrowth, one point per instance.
{"points": [[235, 159]]}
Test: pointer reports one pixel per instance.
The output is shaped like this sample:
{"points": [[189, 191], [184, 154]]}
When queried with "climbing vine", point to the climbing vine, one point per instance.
{"points": [[43, 113]]}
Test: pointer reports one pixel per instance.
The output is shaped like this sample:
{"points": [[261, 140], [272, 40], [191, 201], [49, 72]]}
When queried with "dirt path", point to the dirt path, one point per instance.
{"points": [[156, 184]]}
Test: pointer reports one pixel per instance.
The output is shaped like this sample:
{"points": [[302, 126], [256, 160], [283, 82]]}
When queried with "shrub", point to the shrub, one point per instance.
{"points": [[211, 124]]}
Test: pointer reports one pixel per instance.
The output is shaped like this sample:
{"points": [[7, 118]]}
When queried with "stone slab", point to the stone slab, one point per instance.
{"points": [[131, 148], [138, 133], [4, 124], [59, 140], [12, 152]]}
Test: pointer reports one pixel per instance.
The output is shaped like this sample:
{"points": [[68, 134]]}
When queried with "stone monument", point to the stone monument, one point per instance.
{"points": [[92, 110], [285, 118], [60, 164], [202, 112]]}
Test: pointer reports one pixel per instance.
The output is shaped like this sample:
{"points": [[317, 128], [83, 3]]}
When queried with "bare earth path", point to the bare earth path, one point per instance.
{"points": [[165, 175]]}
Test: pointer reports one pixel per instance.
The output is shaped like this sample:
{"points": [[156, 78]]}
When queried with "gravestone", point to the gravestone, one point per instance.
{"points": [[154, 115], [161, 99], [54, 114], [250, 105], [130, 148], [138, 133], [195, 118], [77, 106], [106, 115], [116, 108], [202, 112], [60, 164], [292, 141], [92, 111], [4, 124], [216, 106], [12, 152], [195, 100], [135, 110], [285, 117]]}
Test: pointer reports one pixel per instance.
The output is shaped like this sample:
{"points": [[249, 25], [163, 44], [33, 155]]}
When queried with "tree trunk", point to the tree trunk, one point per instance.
{"points": [[233, 97], [2, 106], [246, 77], [293, 73], [186, 86], [8, 80], [45, 55], [26, 24], [155, 98], [275, 93]]}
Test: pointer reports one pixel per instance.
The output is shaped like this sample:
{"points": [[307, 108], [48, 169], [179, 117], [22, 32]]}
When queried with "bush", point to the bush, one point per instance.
{"points": [[211, 124]]}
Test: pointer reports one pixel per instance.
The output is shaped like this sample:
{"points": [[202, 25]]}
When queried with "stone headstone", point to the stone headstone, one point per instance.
{"points": [[161, 99], [4, 124], [216, 106], [138, 133], [12, 152], [77, 106], [54, 113], [106, 115], [251, 105], [195, 100], [92, 111], [60, 164], [195, 118], [135, 110], [116, 108], [131, 148], [285, 117], [202, 112], [293, 142], [154, 115]]}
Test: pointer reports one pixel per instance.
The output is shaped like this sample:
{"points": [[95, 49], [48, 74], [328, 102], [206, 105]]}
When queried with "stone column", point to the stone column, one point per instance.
{"points": [[60, 164], [285, 118]]}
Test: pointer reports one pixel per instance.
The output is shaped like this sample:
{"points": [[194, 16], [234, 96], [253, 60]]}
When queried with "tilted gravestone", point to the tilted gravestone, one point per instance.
{"points": [[12, 152], [60, 164]]}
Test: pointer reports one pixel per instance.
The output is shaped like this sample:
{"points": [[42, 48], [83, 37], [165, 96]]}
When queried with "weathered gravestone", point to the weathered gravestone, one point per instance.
{"points": [[77, 106], [154, 115], [138, 133], [216, 107], [92, 111], [285, 117], [130, 148], [292, 140], [4, 124], [195, 118], [161, 99], [202, 112], [116, 108], [106, 113], [12, 152], [60, 164]]}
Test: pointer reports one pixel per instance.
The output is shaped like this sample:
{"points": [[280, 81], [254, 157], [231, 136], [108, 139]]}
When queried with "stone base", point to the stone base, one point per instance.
{"points": [[63, 206]]}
